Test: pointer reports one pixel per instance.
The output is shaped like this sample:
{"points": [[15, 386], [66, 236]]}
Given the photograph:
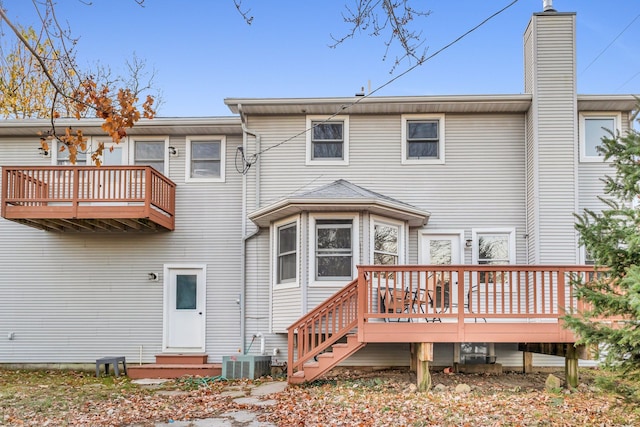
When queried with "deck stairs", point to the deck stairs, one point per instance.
{"points": [[175, 365], [323, 362], [325, 336]]}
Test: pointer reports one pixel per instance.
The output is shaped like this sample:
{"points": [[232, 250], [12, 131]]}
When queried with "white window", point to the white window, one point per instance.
{"points": [[152, 152], [328, 140], [387, 242], [61, 158], [594, 127], [205, 159], [494, 246], [422, 139], [334, 248], [287, 252], [113, 154]]}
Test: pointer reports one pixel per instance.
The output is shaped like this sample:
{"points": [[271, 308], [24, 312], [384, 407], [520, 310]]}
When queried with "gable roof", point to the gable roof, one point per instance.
{"points": [[343, 196]]}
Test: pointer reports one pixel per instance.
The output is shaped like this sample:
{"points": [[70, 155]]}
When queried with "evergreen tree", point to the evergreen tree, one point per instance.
{"points": [[612, 238]]}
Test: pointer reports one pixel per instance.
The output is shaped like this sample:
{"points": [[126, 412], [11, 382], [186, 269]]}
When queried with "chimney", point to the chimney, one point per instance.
{"points": [[547, 6]]}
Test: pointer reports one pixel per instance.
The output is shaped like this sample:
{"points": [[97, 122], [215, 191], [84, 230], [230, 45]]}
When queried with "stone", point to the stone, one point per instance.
{"points": [[552, 383], [440, 388], [463, 388]]}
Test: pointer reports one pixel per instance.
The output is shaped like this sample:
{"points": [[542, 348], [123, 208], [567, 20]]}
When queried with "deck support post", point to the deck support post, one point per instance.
{"points": [[571, 366], [527, 362], [422, 356], [413, 358]]}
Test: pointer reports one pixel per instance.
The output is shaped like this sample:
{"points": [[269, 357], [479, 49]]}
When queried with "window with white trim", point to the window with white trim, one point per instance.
{"points": [[422, 138], [333, 248], [61, 158], [285, 250], [328, 140], [494, 247], [205, 159], [151, 152], [287, 253], [387, 242], [594, 127]]}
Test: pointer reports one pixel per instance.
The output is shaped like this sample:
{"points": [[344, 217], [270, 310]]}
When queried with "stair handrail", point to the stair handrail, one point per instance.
{"points": [[346, 299]]}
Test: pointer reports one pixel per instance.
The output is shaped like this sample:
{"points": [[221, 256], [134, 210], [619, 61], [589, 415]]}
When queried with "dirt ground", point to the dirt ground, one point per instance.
{"points": [[506, 381]]}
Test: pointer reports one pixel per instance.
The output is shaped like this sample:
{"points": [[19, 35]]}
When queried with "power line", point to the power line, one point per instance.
{"points": [[344, 108], [612, 42], [630, 78]]}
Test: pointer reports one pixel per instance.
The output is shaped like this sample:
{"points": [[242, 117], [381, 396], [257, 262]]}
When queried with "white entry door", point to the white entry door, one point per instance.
{"points": [[184, 309]]}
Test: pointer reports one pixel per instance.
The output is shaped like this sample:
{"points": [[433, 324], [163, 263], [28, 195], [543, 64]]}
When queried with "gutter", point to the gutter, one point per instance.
{"points": [[245, 237]]}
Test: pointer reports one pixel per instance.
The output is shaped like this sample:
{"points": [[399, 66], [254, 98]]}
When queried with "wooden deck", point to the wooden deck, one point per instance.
{"points": [[88, 198], [438, 304]]}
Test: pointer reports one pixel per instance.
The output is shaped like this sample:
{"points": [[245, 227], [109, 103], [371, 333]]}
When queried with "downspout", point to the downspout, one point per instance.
{"points": [[245, 236]]}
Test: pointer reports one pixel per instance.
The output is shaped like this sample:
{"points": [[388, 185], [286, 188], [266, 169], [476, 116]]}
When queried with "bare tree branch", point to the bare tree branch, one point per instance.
{"points": [[113, 99], [243, 12], [391, 17]]}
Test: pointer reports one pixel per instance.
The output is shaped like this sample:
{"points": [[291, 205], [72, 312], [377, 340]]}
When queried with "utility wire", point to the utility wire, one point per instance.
{"points": [[630, 78], [343, 108], [612, 42]]}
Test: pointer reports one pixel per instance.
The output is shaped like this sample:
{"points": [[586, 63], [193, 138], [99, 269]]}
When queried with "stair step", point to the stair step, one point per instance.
{"points": [[182, 358], [297, 378], [173, 370], [311, 365], [327, 355]]}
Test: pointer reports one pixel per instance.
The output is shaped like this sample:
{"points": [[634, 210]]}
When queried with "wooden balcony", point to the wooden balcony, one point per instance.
{"points": [[88, 198], [436, 304]]}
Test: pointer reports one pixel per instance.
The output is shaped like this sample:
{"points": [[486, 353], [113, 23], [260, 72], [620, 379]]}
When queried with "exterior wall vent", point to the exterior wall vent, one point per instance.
{"points": [[245, 366], [547, 6]]}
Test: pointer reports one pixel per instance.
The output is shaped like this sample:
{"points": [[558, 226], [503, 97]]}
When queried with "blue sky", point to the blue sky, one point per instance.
{"points": [[203, 51]]}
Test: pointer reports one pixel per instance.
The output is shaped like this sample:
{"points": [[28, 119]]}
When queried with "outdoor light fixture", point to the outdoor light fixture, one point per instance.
{"points": [[468, 243], [173, 151], [43, 152], [153, 277]]}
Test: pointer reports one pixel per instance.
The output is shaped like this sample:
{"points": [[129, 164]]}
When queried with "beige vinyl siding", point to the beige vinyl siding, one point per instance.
{"points": [[72, 298], [555, 137], [484, 153], [257, 290]]}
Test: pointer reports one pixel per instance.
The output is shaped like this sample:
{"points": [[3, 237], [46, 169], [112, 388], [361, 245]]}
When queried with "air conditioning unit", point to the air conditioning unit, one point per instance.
{"points": [[245, 366]]}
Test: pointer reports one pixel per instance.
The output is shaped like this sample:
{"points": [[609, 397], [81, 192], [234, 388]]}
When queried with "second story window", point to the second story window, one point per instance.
{"points": [[62, 157], [422, 139], [205, 159], [594, 127], [150, 153], [328, 140]]}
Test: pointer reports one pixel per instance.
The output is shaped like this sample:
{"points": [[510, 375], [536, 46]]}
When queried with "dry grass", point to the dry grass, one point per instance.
{"points": [[69, 398]]}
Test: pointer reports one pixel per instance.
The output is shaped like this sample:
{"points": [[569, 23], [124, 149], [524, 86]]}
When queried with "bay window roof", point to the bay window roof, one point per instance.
{"points": [[342, 196]]}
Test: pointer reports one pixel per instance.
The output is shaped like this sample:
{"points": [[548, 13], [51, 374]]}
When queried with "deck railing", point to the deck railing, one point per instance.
{"points": [[63, 191], [323, 326], [462, 292], [442, 303]]}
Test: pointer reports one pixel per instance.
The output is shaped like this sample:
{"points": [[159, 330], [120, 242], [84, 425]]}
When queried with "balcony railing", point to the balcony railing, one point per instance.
{"points": [[88, 198]]}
